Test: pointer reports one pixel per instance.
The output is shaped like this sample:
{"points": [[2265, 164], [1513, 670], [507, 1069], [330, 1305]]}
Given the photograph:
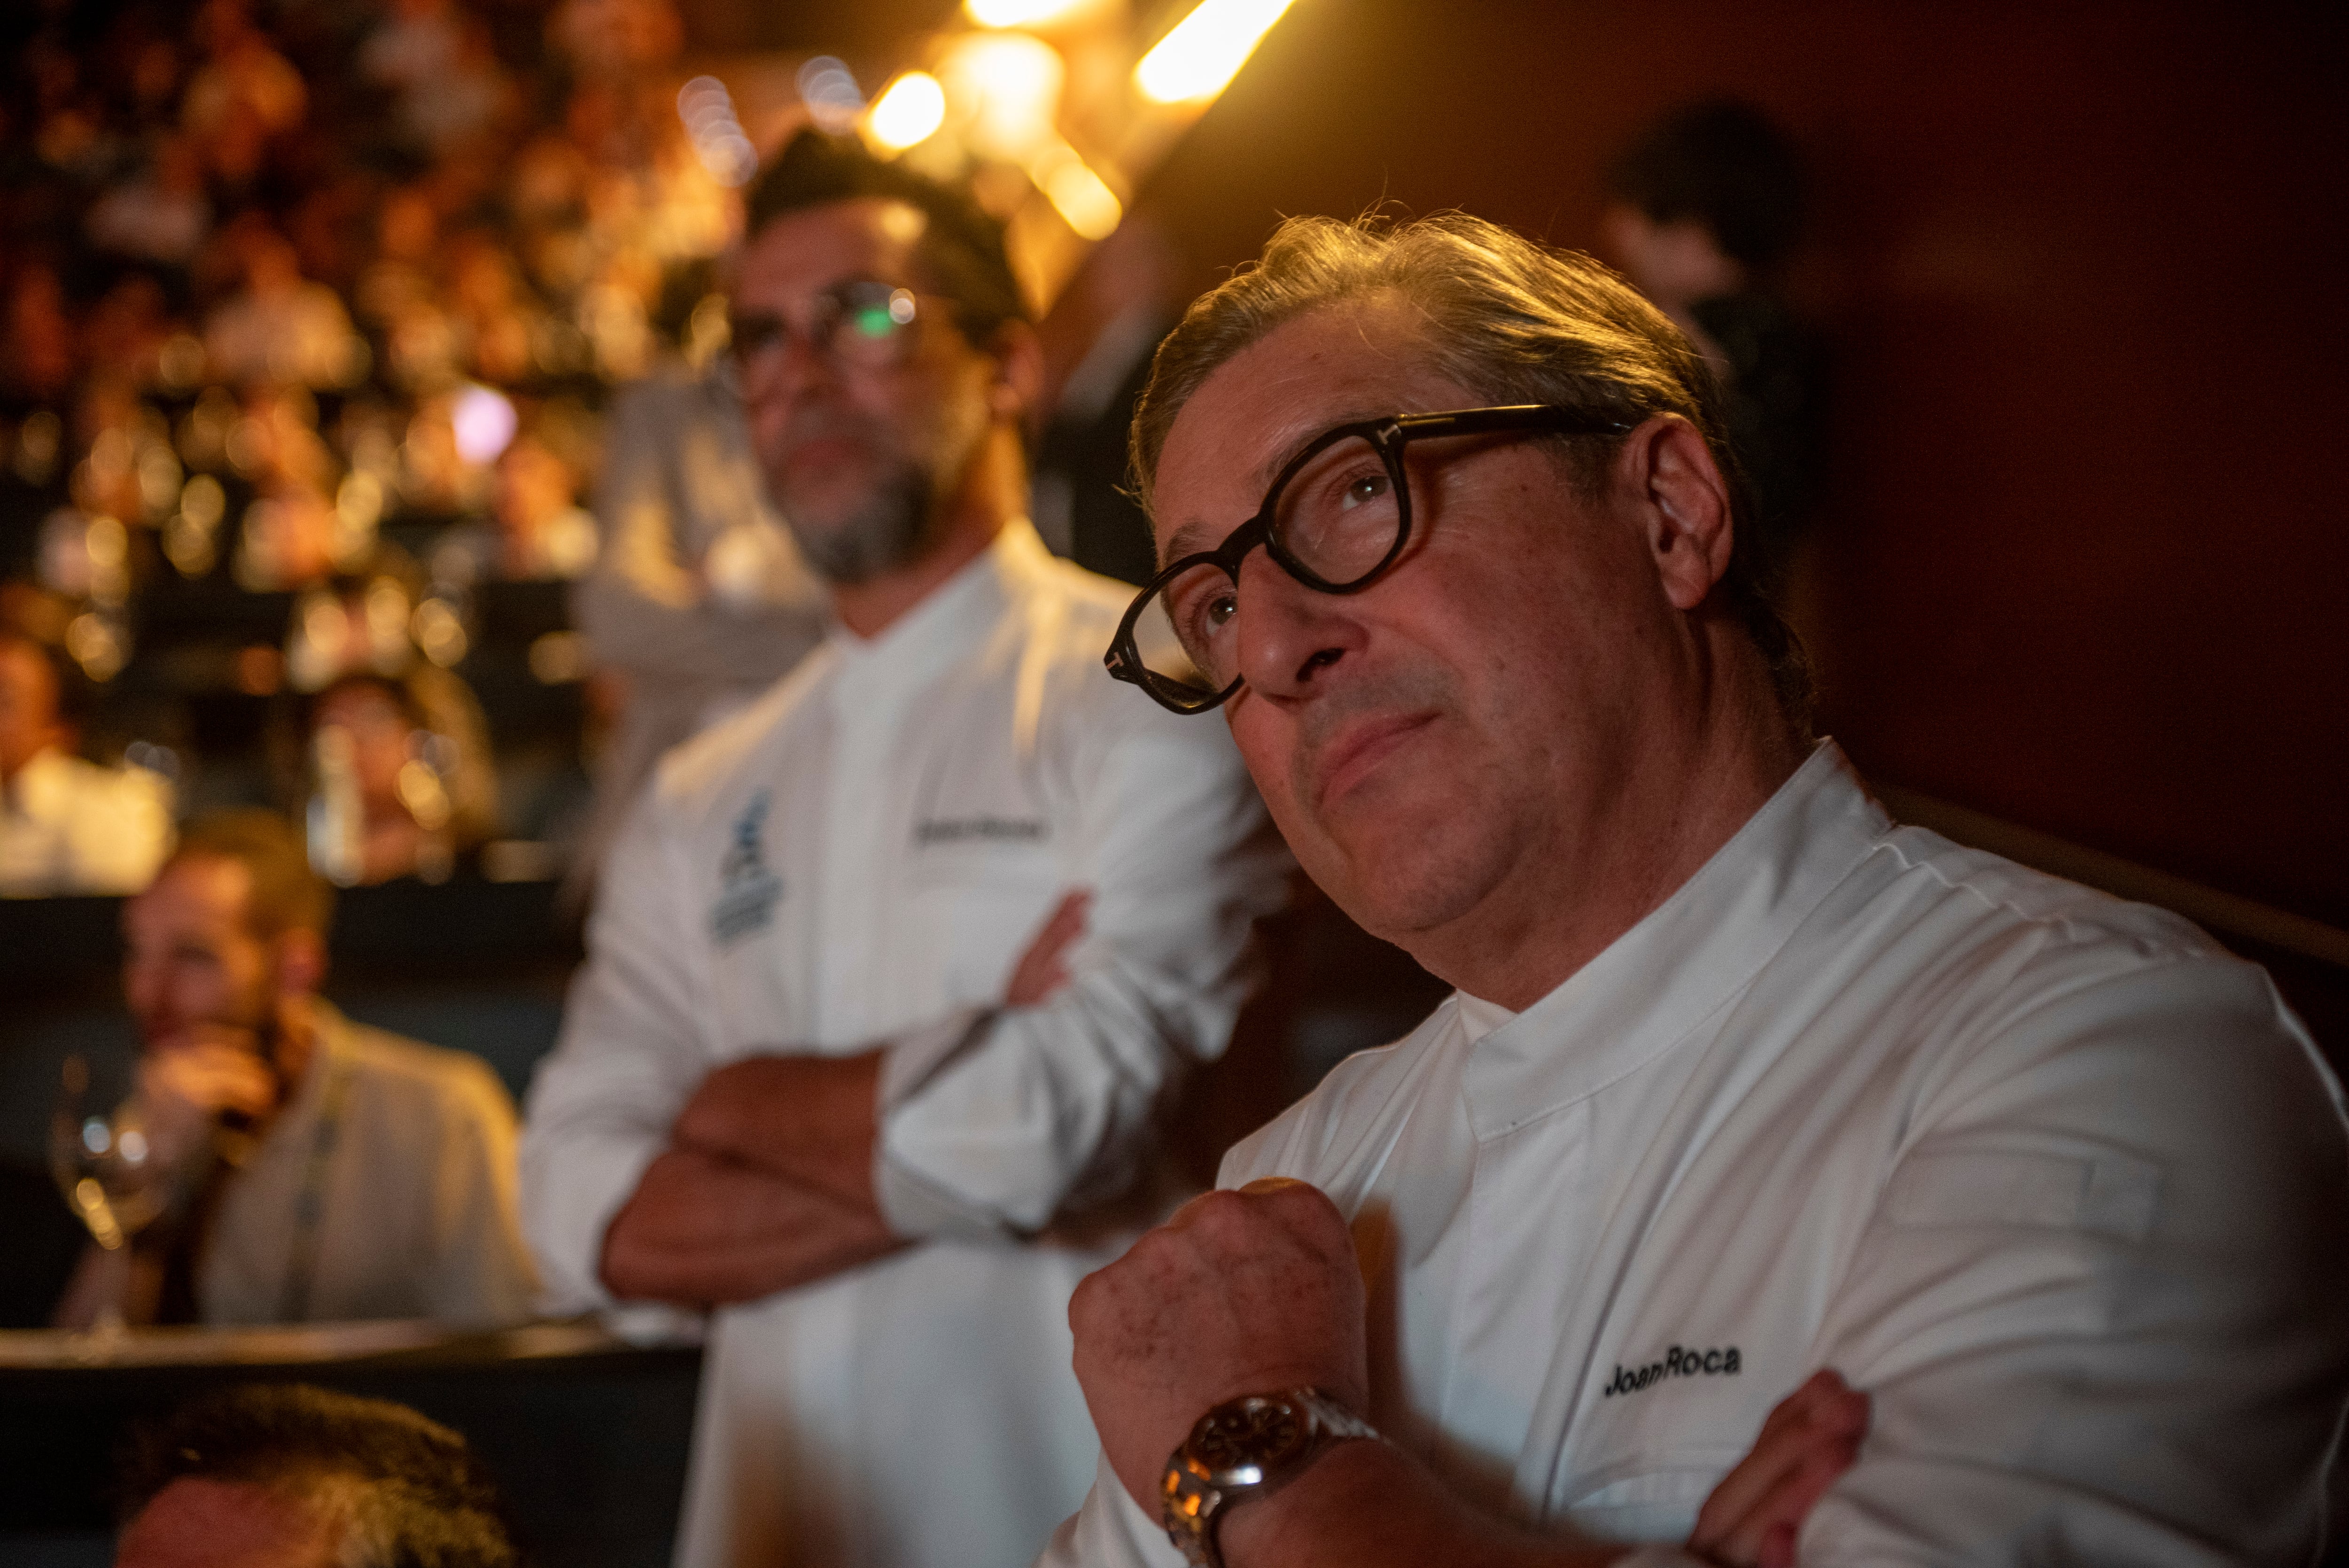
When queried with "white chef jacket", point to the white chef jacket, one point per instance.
{"points": [[2051, 1177], [385, 1189], [860, 858], [67, 826]]}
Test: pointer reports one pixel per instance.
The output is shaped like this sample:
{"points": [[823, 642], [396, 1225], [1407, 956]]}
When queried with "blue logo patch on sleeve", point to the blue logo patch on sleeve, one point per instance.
{"points": [[747, 891]]}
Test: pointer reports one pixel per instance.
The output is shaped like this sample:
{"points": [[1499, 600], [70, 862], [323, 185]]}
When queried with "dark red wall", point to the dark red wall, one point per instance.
{"points": [[2085, 561]]}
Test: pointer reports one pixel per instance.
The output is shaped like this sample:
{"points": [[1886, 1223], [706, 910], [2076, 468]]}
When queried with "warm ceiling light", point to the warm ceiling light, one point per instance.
{"points": [[1205, 50], [910, 109], [1081, 197], [1018, 13], [1004, 90]]}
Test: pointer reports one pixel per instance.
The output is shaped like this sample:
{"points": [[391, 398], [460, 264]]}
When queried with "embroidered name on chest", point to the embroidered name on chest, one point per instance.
{"points": [[979, 829], [1676, 1362]]}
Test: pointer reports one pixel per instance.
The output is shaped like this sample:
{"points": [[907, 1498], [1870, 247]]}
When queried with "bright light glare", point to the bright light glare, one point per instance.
{"points": [[1081, 197], [1018, 13], [1205, 50], [1004, 88], [909, 111]]}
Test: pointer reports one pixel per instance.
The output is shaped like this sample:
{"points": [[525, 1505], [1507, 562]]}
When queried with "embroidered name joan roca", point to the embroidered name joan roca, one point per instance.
{"points": [[747, 889], [1677, 1362], [983, 829]]}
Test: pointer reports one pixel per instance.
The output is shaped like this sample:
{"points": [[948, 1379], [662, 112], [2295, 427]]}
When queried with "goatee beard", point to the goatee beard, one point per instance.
{"points": [[892, 529]]}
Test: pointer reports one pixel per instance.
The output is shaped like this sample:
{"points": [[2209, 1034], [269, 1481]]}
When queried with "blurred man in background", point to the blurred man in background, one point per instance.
{"points": [[854, 1060], [67, 826], [320, 1170], [699, 600], [1703, 212], [296, 1476]]}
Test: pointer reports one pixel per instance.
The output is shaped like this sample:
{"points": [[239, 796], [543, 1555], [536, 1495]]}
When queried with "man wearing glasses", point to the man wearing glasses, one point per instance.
{"points": [[891, 975], [1743, 1087]]}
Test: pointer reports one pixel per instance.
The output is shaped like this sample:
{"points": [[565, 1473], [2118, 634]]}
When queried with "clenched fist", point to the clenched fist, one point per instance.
{"points": [[1240, 1292]]}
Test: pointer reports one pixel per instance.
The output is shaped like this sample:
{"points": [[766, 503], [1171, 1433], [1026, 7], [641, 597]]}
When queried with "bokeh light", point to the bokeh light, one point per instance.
{"points": [[1205, 50], [908, 112]]}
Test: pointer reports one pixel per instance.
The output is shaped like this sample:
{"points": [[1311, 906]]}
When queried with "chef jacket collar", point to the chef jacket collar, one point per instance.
{"points": [[1663, 978], [947, 626]]}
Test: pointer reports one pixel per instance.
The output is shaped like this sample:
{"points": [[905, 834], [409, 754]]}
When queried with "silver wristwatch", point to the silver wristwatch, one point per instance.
{"points": [[1245, 1447]]}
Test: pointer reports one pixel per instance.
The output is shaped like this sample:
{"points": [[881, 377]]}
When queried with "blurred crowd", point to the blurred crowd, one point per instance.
{"points": [[312, 315]]}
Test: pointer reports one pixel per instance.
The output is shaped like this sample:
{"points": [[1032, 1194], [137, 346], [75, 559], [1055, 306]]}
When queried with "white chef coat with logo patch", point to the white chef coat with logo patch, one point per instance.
{"points": [[859, 859], [2054, 1180]]}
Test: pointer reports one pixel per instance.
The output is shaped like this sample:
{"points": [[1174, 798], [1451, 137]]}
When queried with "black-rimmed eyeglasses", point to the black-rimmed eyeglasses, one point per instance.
{"points": [[1337, 516]]}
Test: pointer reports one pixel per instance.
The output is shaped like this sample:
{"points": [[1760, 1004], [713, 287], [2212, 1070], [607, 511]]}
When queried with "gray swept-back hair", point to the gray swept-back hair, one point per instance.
{"points": [[1512, 321]]}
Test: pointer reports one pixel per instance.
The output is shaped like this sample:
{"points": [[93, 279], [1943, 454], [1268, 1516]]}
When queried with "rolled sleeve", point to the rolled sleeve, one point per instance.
{"points": [[1048, 1108]]}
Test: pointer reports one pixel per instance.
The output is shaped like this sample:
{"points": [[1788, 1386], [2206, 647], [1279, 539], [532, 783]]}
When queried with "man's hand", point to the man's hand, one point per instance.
{"points": [[813, 1120], [1043, 969], [189, 1080], [1370, 1505], [1248, 1291], [1812, 1438], [1240, 1292]]}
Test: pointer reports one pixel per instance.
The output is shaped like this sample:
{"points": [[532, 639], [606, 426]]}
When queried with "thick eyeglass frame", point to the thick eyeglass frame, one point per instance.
{"points": [[1388, 436], [765, 332]]}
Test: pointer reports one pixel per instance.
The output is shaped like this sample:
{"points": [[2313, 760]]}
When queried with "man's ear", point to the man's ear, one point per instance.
{"points": [[300, 962], [1017, 391], [1684, 501]]}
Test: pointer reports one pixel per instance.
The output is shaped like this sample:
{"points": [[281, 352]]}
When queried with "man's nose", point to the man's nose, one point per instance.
{"points": [[1292, 639], [789, 371]]}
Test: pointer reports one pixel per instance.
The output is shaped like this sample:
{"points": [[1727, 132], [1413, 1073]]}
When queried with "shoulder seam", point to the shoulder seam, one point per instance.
{"points": [[2072, 928]]}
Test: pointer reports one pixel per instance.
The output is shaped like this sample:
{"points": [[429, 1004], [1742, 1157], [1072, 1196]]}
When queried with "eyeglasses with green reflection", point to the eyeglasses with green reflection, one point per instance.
{"points": [[863, 323], [1337, 517]]}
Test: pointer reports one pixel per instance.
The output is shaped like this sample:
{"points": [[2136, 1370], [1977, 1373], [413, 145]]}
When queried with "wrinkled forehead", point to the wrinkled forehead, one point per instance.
{"points": [[1349, 360], [801, 254]]}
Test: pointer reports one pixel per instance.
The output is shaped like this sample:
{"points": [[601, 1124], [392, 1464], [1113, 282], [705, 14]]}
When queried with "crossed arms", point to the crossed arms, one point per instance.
{"points": [[768, 1179]]}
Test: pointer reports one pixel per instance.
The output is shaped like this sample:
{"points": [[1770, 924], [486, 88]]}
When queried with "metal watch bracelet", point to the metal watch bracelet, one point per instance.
{"points": [[1246, 1448]]}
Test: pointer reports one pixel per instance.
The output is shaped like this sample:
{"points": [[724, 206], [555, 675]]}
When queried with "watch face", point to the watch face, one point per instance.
{"points": [[1241, 1440]]}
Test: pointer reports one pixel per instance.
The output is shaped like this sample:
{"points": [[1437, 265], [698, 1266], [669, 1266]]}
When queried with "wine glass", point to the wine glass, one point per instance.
{"points": [[106, 1165]]}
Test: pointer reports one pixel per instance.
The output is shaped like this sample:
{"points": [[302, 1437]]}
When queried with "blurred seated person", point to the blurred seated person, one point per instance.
{"points": [[281, 328], [1703, 212], [539, 531], [402, 784], [700, 599], [67, 826], [161, 213], [291, 1476], [321, 1170]]}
